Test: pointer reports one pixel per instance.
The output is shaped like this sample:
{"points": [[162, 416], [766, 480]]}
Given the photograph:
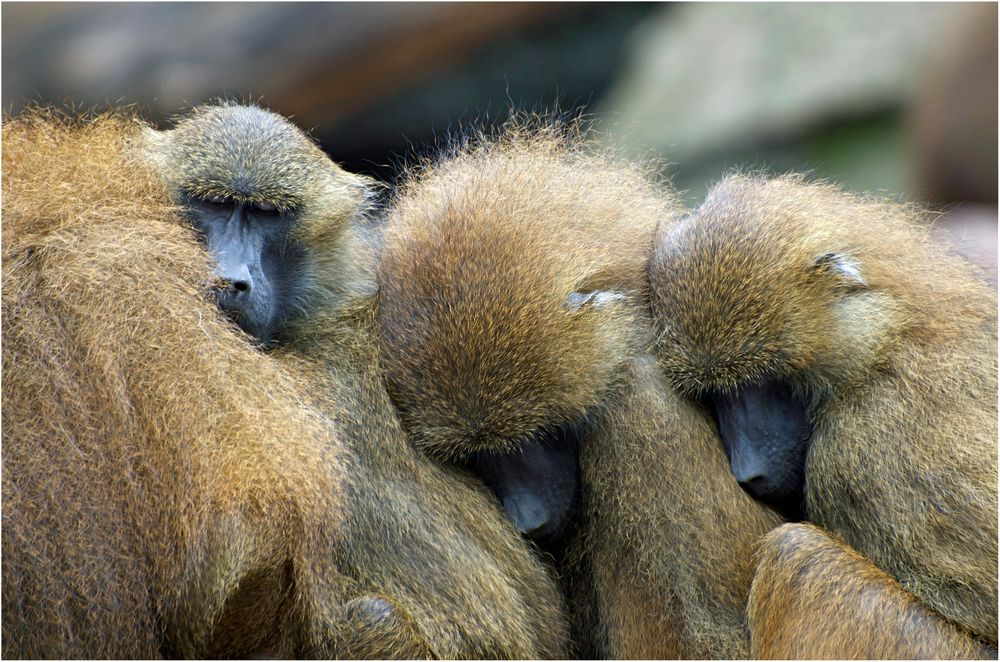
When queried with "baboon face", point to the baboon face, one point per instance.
{"points": [[765, 430], [257, 190], [538, 485], [257, 264], [497, 377], [508, 284], [754, 306]]}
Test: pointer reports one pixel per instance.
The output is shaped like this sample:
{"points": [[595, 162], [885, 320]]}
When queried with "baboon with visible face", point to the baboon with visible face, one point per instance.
{"points": [[814, 598], [171, 491], [514, 323], [273, 210], [165, 490], [851, 366], [297, 272]]}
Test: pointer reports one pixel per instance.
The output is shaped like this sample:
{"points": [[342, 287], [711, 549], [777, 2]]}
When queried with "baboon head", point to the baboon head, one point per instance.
{"points": [[765, 303], [260, 193], [505, 289]]}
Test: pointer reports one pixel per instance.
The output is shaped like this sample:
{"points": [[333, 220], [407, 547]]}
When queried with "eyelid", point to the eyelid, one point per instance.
{"points": [[220, 202], [213, 205]]}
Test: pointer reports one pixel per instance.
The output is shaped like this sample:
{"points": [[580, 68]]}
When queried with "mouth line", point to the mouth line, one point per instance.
{"points": [[237, 315]]}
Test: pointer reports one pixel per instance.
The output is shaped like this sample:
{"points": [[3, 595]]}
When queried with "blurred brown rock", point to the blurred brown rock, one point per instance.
{"points": [[316, 61], [953, 124], [374, 81]]}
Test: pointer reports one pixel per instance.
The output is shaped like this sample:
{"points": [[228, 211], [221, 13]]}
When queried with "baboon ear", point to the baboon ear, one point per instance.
{"points": [[845, 268], [595, 299]]}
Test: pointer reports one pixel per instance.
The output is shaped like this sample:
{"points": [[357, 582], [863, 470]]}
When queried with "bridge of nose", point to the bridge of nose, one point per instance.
{"points": [[234, 250]]}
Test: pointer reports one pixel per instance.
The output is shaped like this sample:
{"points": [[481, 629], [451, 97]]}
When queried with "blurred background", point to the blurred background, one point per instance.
{"points": [[899, 98]]}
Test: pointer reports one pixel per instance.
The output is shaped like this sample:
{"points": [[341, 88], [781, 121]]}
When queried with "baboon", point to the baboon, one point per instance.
{"points": [[297, 273], [166, 492], [813, 597], [513, 317], [850, 363], [261, 195]]}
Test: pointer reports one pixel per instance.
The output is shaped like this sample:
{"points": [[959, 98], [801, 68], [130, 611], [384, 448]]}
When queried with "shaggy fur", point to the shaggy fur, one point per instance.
{"points": [[493, 242], [806, 581], [158, 473], [431, 540], [893, 341], [482, 252]]}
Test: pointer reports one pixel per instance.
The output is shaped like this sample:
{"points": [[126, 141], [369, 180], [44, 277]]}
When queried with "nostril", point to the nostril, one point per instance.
{"points": [[537, 529], [235, 280], [755, 484]]}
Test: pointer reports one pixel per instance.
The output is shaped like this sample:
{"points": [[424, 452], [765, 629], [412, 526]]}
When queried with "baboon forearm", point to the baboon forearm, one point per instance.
{"points": [[815, 598]]}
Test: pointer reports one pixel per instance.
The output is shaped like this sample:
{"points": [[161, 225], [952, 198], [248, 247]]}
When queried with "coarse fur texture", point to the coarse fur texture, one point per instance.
{"points": [[890, 340], [512, 304], [467, 236], [430, 539], [807, 582], [159, 475]]}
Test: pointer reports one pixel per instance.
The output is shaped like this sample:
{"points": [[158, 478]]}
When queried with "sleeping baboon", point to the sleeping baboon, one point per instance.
{"points": [[851, 366], [275, 212], [513, 319], [297, 272], [813, 597], [165, 490]]}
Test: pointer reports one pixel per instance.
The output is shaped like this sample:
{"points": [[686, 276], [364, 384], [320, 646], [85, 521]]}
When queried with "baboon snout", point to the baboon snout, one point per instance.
{"points": [[537, 484], [235, 280], [765, 430], [528, 513], [750, 472]]}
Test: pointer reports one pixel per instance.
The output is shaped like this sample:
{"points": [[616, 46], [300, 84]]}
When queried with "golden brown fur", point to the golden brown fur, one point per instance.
{"points": [[431, 540], [157, 471], [523, 224], [893, 341], [482, 252], [815, 598]]}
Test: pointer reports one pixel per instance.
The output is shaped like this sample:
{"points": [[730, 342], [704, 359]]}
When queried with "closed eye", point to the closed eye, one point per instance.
{"points": [[210, 203]]}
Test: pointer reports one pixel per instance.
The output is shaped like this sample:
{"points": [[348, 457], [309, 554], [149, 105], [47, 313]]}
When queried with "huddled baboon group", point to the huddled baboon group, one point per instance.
{"points": [[528, 407]]}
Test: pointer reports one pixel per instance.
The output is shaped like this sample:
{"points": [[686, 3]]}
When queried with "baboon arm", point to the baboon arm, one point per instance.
{"points": [[913, 486], [333, 615], [661, 487], [373, 628], [330, 615], [813, 597]]}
